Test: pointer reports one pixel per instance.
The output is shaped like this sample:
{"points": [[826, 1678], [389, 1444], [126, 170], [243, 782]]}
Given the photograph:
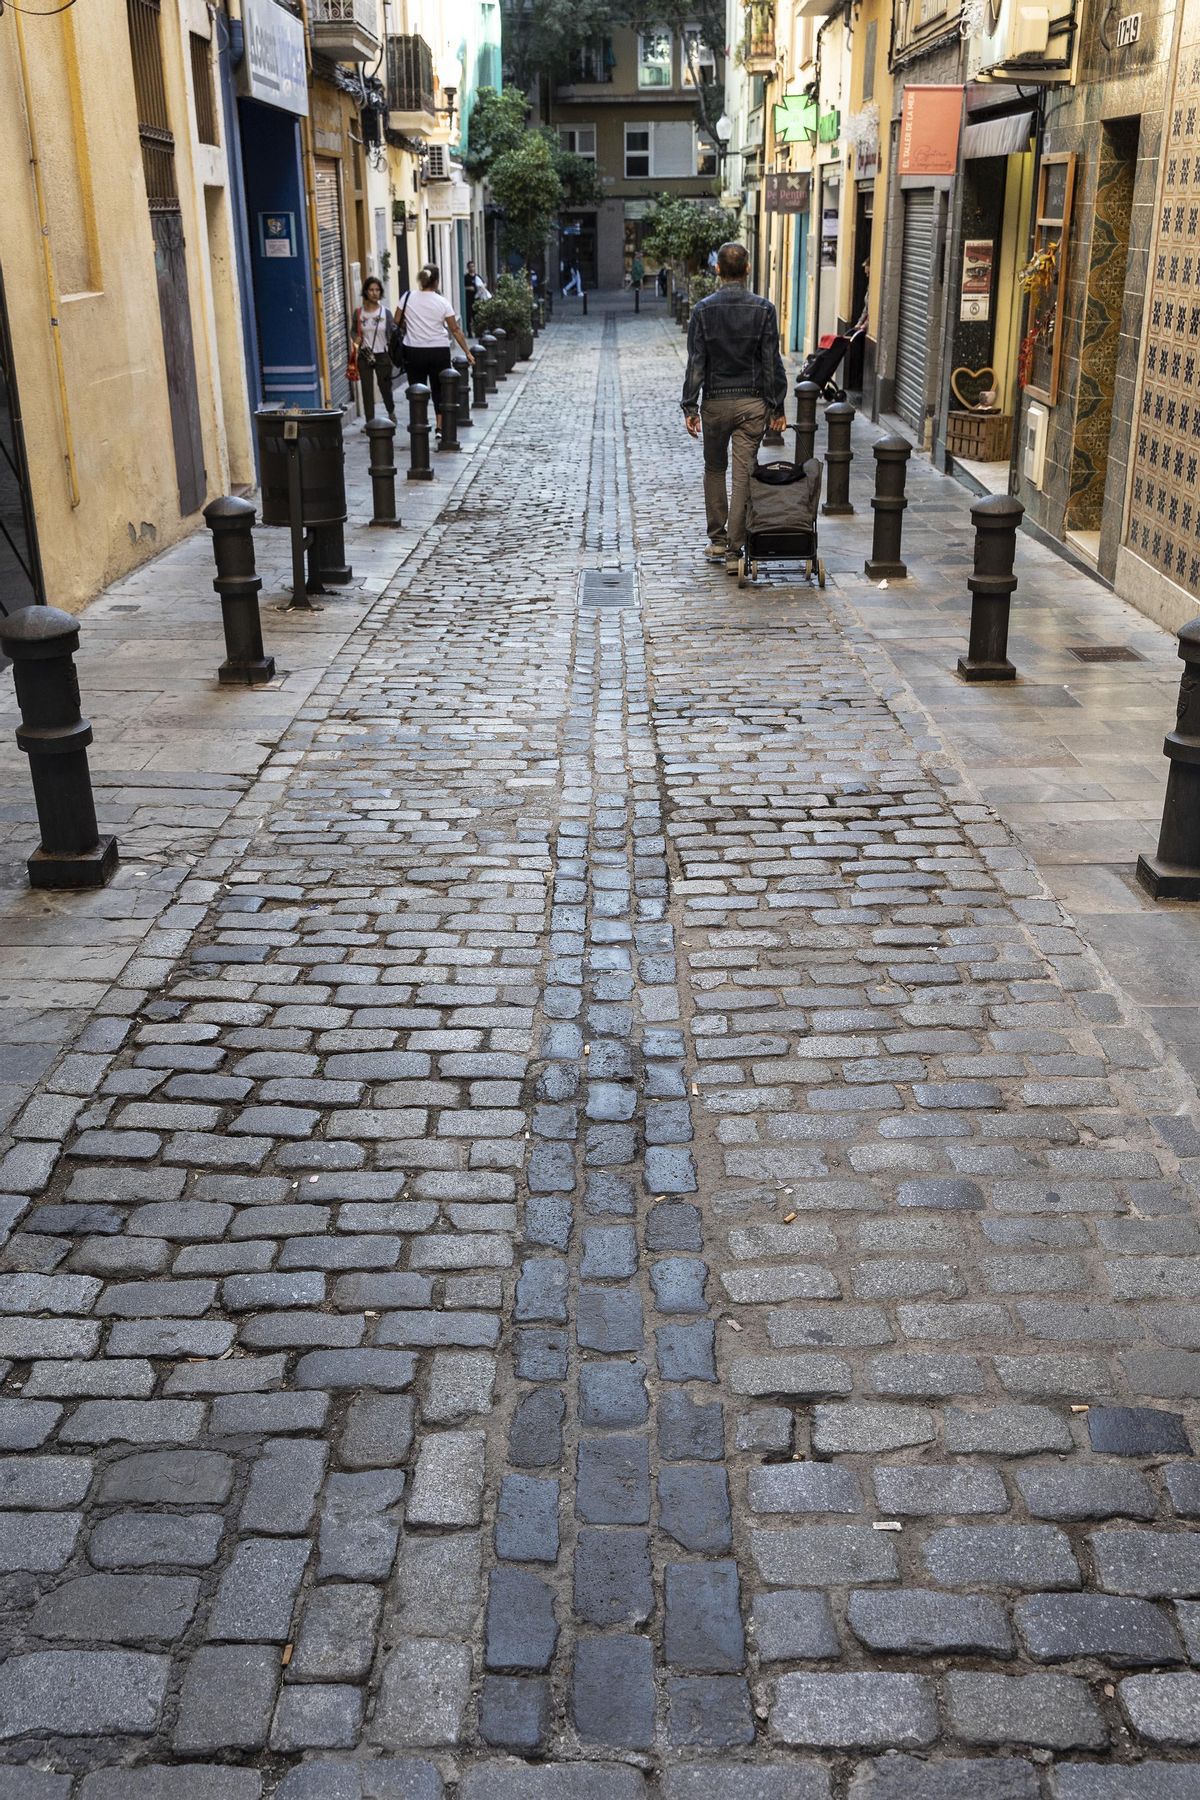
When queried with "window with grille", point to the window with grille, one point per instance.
{"points": [[202, 88], [154, 126]]}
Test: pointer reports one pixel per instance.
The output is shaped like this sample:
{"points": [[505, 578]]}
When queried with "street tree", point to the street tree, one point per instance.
{"points": [[526, 187]]}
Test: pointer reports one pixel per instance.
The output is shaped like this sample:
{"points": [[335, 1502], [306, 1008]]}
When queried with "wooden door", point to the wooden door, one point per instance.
{"points": [[179, 354]]}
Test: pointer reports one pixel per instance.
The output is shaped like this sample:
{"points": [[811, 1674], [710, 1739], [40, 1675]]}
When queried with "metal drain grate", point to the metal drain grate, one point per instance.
{"points": [[1090, 653], [608, 587]]}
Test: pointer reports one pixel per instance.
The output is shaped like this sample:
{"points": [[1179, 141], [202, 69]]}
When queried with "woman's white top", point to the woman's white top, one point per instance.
{"points": [[374, 329], [425, 316]]}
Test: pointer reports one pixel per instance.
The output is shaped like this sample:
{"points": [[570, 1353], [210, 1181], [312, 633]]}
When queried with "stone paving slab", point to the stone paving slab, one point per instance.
{"points": [[623, 1245]]}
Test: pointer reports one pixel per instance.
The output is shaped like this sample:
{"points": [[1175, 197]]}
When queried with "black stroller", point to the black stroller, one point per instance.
{"points": [[824, 364], [781, 519]]}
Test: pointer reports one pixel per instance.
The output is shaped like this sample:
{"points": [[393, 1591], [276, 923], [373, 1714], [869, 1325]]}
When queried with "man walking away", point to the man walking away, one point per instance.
{"points": [[734, 360]]}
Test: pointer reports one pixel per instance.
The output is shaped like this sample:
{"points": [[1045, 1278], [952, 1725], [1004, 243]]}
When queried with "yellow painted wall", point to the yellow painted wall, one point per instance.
{"points": [[103, 255]]}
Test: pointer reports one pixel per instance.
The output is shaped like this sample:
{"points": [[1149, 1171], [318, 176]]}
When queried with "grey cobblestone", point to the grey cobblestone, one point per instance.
{"points": [[837, 1187]]}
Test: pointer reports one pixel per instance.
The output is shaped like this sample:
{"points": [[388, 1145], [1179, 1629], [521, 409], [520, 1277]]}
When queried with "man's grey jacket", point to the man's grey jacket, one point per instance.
{"points": [[733, 348]]}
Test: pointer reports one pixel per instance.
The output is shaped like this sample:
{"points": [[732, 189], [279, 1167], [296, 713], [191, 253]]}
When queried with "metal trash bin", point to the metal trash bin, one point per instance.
{"points": [[322, 482], [322, 466]]}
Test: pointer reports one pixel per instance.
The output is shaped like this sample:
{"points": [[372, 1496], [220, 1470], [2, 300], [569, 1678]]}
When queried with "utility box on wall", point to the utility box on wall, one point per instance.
{"points": [[1033, 459]]}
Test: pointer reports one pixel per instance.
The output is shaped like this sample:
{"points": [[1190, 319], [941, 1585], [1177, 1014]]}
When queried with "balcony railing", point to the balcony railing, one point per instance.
{"points": [[760, 37], [410, 81], [345, 29]]}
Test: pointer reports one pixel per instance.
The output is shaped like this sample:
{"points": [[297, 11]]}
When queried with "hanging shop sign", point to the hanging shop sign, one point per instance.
{"points": [[788, 193], [829, 126], [930, 119], [272, 67], [978, 257]]}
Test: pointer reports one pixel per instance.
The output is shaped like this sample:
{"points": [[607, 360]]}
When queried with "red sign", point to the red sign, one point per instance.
{"points": [[929, 125]]}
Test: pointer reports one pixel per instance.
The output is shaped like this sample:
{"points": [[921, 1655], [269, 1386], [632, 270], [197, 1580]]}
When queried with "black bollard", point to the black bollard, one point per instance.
{"points": [[637, 300], [418, 433], [479, 375], [488, 345], [676, 302], [807, 395], [512, 350], [231, 522], [462, 369], [1173, 873], [500, 337], [381, 447], [41, 643], [448, 410], [839, 422], [991, 582], [585, 305], [891, 459]]}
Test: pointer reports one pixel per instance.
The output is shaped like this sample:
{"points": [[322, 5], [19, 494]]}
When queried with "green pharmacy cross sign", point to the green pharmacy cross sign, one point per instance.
{"points": [[799, 121]]}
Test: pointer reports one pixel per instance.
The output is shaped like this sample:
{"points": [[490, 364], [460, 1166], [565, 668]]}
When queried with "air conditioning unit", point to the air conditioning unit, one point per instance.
{"points": [[1033, 459], [437, 163], [1011, 33]]}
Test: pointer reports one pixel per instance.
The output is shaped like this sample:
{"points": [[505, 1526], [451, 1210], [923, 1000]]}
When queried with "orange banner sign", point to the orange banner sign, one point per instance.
{"points": [[929, 124]]}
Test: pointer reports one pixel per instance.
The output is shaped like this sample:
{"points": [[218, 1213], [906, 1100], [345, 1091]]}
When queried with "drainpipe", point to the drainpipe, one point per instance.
{"points": [[310, 205], [51, 283]]}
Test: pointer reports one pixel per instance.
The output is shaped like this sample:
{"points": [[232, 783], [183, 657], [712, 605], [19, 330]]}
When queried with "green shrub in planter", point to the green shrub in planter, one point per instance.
{"points": [[510, 307]]}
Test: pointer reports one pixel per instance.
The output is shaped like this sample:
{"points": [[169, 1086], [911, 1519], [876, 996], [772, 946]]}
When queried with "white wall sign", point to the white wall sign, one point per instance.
{"points": [[1129, 30], [272, 67]]}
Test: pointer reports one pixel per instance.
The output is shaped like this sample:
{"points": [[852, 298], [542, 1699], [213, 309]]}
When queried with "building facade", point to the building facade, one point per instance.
{"points": [[192, 196], [122, 323], [629, 103]]}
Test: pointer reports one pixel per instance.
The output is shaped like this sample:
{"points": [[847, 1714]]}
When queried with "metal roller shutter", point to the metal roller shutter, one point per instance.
{"points": [[916, 289], [333, 279]]}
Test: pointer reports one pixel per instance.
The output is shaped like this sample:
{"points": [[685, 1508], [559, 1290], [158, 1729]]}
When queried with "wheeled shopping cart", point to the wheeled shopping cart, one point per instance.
{"points": [[781, 519], [824, 364]]}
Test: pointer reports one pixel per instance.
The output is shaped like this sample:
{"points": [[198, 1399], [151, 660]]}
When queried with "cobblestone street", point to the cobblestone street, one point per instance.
{"points": [[614, 1242]]}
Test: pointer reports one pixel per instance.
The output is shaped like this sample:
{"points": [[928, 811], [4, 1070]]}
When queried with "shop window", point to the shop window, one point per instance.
{"points": [[654, 59], [579, 139], [1044, 278], [699, 61]]}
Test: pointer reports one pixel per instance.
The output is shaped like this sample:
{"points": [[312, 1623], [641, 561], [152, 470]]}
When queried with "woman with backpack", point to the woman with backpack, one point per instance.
{"points": [[425, 324], [370, 355]]}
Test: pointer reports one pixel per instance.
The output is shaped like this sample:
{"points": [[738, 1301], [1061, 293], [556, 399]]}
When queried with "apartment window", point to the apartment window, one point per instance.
{"points": [[654, 59], [666, 150], [928, 10], [637, 151], [699, 62], [202, 88], [581, 139]]}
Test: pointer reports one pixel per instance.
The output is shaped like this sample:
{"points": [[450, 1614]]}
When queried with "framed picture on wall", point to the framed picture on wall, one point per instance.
{"points": [[1043, 278]]}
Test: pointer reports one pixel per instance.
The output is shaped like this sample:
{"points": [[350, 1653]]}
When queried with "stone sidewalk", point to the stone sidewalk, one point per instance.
{"points": [[621, 1243], [174, 752]]}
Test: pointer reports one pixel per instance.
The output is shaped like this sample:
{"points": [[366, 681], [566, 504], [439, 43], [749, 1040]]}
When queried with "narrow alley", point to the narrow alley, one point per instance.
{"points": [[616, 1240]]}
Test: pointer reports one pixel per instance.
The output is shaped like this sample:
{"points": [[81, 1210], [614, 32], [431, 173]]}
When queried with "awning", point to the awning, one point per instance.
{"points": [[998, 137]]}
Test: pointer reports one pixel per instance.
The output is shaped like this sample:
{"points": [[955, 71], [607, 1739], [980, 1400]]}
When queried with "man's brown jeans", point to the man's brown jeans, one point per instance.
{"points": [[739, 419]]}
